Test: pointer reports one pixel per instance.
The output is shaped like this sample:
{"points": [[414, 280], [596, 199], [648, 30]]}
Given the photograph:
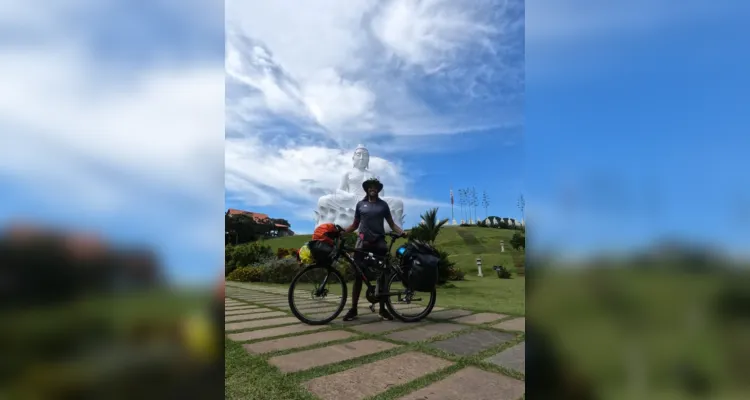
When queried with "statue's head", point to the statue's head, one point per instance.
{"points": [[361, 157]]}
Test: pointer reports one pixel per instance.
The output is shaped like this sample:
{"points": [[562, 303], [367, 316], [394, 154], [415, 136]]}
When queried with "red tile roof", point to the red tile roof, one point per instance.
{"points": [[258, 217]]}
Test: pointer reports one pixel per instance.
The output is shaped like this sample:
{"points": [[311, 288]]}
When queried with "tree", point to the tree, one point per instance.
{"points": [[474, 202], [462, 202], [430, 227], [485, 202], [244, 229], [518, 241], [522, 207]]}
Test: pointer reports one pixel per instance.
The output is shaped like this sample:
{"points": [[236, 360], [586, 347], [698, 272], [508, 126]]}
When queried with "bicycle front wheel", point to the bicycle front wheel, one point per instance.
{"points": [[317, 295], [408, 305]]}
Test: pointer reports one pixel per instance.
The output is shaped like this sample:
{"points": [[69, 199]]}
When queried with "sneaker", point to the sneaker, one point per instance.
{"points": [[351, 315], [384, 314]]}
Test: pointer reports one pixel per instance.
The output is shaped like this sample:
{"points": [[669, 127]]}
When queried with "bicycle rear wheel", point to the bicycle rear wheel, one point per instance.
{"points": [[408, 305], [317, 295]]}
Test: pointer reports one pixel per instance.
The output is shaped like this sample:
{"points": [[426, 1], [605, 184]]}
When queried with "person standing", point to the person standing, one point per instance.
{"points": [[370, 216]]}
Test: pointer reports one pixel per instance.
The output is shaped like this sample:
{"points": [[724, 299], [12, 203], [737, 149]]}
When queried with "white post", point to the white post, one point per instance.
{"points": [[479, 267], [502, 246]]}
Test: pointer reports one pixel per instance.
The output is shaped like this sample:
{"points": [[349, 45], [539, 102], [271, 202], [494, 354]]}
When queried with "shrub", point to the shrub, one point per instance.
{"points": [[246, 274], [502, 272], [518, 241], [284, 253], [229, 268], [447, 270], [456, 274], [346, 270], [245, 254], [280, 271]]}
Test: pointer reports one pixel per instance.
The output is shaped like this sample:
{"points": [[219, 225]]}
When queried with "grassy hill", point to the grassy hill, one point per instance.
{"points": [[464, 244]]}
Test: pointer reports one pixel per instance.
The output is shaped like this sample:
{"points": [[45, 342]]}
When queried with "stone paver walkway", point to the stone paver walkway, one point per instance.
{"points": [[381, 355]]}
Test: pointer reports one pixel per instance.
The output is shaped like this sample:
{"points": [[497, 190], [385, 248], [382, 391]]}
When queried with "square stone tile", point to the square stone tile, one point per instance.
{"points": [[271, 301], [515, 324], [471, 383], [513, 358], [247, 311], [273, 332], [472, 342], [248, 317], [448, 314], [261, 323], [385, 326], [277, 303], [479, 318], [317, 308], [371, 379], [425, 332], [296, 342], [307, 359], [361, 319], [268, 297]]}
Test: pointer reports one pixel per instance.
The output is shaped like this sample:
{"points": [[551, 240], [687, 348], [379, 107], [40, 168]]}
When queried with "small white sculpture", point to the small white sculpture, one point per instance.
{"points": [[338, 207]]}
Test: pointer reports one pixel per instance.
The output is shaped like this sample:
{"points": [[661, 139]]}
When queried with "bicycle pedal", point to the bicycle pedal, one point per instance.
{"points": [[372, 308]]}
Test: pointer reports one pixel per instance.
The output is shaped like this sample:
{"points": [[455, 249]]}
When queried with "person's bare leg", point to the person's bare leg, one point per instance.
{"points": [[356, 292], [382, 284], [383, 312]]}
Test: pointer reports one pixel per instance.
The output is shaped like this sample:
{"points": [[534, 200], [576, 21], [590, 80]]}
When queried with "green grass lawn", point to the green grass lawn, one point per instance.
{"points": [[465, 244], [249, 376]]}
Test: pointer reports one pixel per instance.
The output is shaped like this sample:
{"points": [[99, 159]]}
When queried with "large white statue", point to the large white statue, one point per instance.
{"points": [[338, 207]]}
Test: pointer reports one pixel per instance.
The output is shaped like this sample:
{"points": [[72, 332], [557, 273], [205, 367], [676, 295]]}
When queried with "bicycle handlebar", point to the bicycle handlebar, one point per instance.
{"points": [[340, 239]]}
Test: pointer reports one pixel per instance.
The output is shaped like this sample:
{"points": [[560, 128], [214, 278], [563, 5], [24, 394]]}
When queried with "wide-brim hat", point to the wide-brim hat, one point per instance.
{"points": [[372, 181]]}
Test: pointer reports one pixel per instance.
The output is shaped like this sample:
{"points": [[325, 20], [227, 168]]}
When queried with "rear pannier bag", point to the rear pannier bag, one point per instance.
{"points": [[422, 260], [321, 252]]}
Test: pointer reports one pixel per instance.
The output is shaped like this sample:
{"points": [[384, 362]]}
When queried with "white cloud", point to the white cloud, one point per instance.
{"points": [[430, 33], [97, 139], [160, 127], [304, 85]]}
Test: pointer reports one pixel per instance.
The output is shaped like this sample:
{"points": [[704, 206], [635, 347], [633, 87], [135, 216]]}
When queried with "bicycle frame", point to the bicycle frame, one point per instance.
{"points": [[342, 251]]}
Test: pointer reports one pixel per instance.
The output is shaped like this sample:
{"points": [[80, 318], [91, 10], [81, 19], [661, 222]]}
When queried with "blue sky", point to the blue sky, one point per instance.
{"points": [[629, 119], [433, 89], [641, 131], [115, 125]]}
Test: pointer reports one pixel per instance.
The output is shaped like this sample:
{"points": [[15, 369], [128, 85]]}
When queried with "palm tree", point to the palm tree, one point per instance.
{"points": [[430, 227]]}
